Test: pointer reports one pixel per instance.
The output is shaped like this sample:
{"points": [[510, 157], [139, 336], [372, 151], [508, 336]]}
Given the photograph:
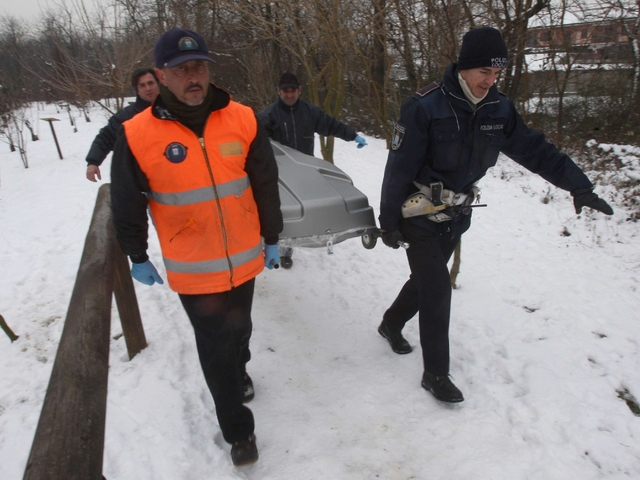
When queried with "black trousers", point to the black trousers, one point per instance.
{"points": [[427, 292], [222, 326]]}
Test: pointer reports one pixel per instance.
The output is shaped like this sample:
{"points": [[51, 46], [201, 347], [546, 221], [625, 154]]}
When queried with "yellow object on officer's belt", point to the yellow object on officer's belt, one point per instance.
{"points": [[419, 204]]}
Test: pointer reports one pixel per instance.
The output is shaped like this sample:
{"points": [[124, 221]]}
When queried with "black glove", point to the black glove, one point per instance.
{"points": [[586, 198], [391, 239]]}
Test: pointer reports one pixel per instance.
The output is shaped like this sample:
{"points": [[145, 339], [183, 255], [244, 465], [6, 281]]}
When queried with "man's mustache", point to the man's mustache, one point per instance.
{"points": [[192, 85]]}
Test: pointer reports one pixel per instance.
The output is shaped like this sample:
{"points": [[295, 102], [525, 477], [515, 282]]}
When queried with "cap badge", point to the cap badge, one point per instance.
{"points": [[186, 44]]}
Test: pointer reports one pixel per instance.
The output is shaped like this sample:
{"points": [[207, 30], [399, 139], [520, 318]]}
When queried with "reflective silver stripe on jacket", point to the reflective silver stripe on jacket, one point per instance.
{"points": [[213, 266], [198, 195]]}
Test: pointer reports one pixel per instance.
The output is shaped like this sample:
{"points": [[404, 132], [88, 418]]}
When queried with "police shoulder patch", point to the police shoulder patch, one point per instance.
{"points": [[398, 136], [429, 88]]}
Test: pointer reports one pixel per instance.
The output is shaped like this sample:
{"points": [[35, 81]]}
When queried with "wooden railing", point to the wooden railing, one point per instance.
{"points": [[69, 439]]}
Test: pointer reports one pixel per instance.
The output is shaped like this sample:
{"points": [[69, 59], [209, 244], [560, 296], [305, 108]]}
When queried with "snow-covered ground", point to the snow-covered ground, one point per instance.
{"points": [[545, 331]]}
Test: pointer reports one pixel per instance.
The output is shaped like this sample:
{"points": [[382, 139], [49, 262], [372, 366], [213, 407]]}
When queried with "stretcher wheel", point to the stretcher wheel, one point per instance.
{"points": [[369, 240]]}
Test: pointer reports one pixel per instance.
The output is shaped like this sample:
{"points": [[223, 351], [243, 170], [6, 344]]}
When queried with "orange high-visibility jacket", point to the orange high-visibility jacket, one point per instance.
{"points": [[201, 201]]}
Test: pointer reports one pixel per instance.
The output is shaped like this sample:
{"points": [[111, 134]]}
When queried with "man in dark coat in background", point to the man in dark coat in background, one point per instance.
{"points": [[145, 83], [449, 134], [294, 122]]}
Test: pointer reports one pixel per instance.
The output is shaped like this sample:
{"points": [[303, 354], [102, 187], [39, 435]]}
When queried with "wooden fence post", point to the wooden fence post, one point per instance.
{"points": [[69, 439], [53, 132], [455, 266], [127, 304], [12, 336]]}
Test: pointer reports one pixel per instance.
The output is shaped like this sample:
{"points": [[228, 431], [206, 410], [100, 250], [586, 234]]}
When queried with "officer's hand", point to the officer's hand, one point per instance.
{"points": [[586, 198], [271, 256], [146, 273], [93, 171], [360, 141], [392, 239]]}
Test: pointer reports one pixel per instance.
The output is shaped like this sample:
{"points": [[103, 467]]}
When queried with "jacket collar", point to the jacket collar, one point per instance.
{"points": [[286, 107], [140, 104], [453, 88], [221, 99]]}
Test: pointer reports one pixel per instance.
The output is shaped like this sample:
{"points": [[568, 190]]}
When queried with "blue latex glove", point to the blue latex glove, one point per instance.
{"points": [[271, 256], [360, 141], [146, 273]]}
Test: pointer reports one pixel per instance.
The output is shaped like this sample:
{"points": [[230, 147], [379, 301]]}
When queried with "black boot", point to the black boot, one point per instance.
{"points": [[244, 451], [442, 388], [247, 388], [396, 340]]}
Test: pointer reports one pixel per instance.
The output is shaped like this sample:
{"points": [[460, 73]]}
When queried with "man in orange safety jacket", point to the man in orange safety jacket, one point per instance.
{"points": [[204, 167]]}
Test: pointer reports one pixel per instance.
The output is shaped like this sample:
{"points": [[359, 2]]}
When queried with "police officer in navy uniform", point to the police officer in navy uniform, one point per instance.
{"points": [[449, 134]]}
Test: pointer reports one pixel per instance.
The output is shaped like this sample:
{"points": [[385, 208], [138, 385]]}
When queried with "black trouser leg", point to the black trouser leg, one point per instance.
{"points": [[222, 326], [431, 276], [404, 307], [427, 292]]}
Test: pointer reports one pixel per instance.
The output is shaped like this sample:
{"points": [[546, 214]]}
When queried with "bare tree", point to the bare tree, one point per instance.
{"points": [[12, 128], [84, 57], [15, 89], [313, 35], [628, 14]]}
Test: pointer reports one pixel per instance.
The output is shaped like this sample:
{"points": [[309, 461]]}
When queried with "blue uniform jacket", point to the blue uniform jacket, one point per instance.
{"points": [[296, 126], [440, 138]]}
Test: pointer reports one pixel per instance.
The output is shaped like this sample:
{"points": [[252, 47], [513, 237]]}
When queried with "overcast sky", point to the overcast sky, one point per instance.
{"points": [[25, 9], [30, 9]]}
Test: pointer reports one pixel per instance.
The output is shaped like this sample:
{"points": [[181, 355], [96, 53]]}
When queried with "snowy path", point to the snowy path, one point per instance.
{"points": [[545, 329]]}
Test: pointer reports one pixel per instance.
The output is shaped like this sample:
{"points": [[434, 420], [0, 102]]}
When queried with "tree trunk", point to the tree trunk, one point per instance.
{"points": [[12, 336], [455, 267]]}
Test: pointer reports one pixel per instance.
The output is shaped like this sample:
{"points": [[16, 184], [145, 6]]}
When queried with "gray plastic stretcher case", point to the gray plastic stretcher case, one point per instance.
{"points": [[320, 205]]}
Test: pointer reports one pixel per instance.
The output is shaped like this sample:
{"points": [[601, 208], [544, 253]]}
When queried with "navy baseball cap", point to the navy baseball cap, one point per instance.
{"points": [[179, 45], [288, 80]]}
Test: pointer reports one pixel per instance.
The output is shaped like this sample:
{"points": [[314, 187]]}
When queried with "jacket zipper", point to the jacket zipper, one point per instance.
{"points": [[295, 136], [222, 226], [475, 111]]}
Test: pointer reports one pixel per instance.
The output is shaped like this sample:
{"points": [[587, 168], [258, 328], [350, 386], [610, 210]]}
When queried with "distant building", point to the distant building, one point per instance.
{"points": [[591, 43], [594, 53]]}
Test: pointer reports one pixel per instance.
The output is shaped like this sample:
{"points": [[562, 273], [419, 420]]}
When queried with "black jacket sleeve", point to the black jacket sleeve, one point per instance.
{"points": [[403, 164], [107, 136], [129, 202], [529, 148], [327, 125], [264, 119], [262, 169]]}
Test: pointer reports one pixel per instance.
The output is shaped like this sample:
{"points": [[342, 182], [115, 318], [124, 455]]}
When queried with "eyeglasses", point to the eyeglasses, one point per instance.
{"points": [[184, 69]]}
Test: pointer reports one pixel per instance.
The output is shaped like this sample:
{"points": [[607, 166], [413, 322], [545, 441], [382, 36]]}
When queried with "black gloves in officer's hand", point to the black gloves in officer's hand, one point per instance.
{"points": [[391, 239], [586, 198]]}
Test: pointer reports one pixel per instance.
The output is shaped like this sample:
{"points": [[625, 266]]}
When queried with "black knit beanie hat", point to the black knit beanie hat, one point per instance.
{"points": [[483, 47]]}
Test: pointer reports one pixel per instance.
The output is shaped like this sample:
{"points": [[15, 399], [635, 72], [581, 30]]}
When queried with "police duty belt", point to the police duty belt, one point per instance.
{"points": [[439, 204]]}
